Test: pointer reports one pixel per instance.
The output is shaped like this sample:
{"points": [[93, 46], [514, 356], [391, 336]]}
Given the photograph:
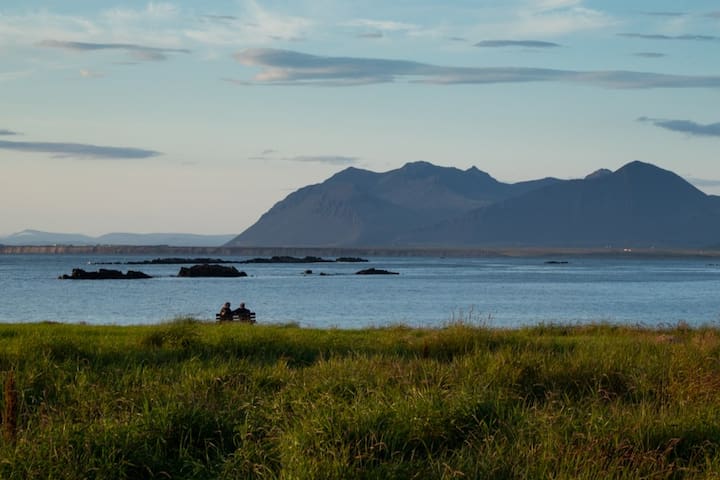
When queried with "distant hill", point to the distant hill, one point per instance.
{"points": [[639, 205], [362, 208], [36, 237]]}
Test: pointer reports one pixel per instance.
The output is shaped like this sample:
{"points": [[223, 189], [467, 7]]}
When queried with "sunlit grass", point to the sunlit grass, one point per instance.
{"points": [[188, 399]]}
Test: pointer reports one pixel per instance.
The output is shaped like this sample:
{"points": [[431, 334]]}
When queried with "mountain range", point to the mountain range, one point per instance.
{"points": [[36, 237], [420, 204]]}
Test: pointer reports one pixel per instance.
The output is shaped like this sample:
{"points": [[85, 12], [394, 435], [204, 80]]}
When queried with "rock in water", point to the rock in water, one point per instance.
{"points": [[375, 271], [205, 270], [104, 274]]}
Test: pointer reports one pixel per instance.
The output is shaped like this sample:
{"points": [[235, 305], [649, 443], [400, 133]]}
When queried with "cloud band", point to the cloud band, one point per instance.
{"points": [[141, 52], [286, 67], [685, 126], [516, 43], [79, 150]]}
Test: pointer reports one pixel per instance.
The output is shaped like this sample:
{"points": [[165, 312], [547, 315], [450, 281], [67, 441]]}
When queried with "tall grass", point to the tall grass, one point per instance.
{"points": [[188, 399]]}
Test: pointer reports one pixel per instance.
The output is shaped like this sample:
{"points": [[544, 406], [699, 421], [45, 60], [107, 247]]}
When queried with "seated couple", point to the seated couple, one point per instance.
{"points": [[242, 313]]}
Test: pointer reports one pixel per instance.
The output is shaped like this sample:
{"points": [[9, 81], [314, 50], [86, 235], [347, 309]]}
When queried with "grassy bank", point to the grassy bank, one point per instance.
{"points": [[192, 400]]}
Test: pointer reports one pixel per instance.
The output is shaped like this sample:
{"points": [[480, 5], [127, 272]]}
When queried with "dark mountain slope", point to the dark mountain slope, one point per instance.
{"points": [[357, 207], [638, 205], [335, 216]]}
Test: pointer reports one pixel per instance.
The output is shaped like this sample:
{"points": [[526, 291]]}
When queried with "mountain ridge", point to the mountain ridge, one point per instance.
{"points": [[420, 204], [359, 207], [32, 237]]}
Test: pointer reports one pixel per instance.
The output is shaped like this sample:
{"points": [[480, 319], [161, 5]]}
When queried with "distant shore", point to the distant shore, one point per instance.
{"points": [[456, 252]]}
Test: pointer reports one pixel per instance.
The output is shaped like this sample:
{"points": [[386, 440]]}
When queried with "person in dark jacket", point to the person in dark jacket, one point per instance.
{"points": [[242, 312], [226, 313]]}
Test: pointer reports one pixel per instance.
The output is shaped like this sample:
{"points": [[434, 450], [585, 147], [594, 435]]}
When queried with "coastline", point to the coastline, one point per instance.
{"points": [[455, 252]]}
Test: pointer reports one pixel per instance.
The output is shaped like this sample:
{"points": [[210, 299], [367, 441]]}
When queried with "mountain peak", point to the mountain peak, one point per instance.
{"points": [[421, 204], [638, 166], [418, 164], [602, 172], [419, 168]]}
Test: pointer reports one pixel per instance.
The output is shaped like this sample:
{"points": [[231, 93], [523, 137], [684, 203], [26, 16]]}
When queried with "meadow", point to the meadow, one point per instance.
{"points": [[188, 399]]}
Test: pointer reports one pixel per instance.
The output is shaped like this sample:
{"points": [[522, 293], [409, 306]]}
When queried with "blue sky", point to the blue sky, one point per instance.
{"points": [[197, 117]]}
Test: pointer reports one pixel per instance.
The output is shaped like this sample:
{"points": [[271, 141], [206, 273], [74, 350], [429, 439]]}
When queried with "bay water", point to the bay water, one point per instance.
{"points": [[498, 292]]}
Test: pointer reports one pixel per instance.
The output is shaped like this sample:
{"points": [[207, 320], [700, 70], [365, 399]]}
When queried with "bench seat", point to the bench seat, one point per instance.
{"points": [[249, 318]]}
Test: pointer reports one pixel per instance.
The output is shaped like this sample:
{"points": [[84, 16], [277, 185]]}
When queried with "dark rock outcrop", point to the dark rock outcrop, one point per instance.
{"points": [[168, 261], [210, 270], [175, 261], [305, 259], [287, 259], [104, 274], [375, 271]]}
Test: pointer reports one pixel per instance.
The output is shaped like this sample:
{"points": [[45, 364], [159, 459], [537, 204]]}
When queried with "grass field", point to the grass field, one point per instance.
{"points": [[193, 400]]}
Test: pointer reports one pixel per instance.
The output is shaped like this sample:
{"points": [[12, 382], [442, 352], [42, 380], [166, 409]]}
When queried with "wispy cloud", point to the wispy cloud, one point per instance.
{"points": [[10, 76], [650, 54], [664, 14], [328, 159], [220, 18], [158, 28], [4, 131], [79, 150], [370, 29], [155, 11], [26, 29], [274, 155], [91, 74], [686, 37], [685, 126], [158, 24], [383, 25], [370, 35], [557, 17], [516, 43], [254, 23], [140, 52], [713, 14], [286, 67]]}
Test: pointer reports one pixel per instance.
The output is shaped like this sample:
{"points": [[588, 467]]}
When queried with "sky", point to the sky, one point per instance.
{"points": [[197, 117]]}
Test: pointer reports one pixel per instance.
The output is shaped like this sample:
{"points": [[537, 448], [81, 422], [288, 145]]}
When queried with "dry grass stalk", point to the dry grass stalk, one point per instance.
{"points": [[9, 417]]}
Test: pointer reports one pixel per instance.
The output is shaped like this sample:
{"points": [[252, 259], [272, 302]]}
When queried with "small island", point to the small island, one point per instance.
{"points": [[180, 261], [287, 259], [350, 260], [375, 271], [104, 274], [168, 261], [208, 270], [306, 259]]}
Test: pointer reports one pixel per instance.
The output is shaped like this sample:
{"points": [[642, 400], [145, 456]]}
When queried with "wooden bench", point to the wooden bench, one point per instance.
{"points": [[246, 318]]}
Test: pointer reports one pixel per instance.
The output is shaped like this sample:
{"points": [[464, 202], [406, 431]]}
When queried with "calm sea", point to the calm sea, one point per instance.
{"points": [[500, 292]]}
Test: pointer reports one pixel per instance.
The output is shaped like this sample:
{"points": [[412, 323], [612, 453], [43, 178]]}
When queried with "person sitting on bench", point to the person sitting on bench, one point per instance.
{"points": [[242, 312], [226, 313]]}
